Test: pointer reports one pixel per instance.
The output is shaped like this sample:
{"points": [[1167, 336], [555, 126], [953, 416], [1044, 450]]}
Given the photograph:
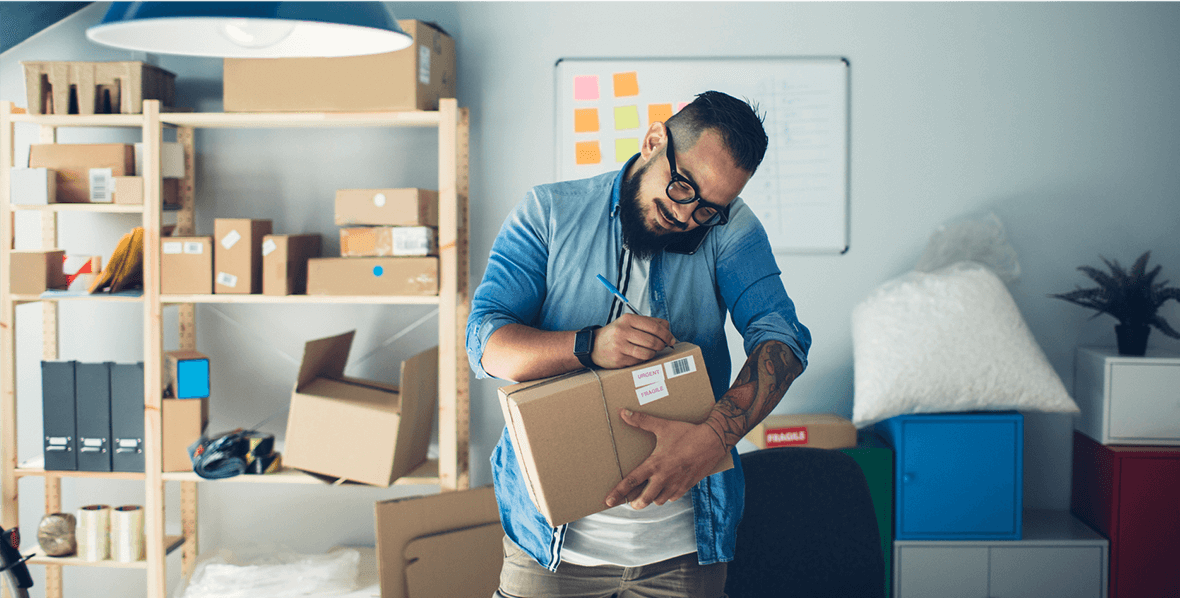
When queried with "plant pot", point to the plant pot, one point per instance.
{"points": [[1132, 338]]}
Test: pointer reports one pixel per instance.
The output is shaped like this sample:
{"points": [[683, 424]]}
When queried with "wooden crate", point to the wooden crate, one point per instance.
{"points": [[55, 87]]}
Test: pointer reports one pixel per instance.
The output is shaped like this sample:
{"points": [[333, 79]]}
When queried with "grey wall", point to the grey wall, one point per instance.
{"points": [[1058, 117]]}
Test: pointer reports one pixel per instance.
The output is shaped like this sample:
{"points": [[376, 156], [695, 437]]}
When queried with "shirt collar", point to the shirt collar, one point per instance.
{"points": [[615, 194]]}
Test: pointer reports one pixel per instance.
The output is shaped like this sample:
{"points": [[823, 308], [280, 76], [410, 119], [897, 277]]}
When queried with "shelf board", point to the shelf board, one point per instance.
{"points": [[78, 120], [36, 467], [171, 543], [295, 299], [135, 295], [425, 474], [265, 120], [110, 208]]}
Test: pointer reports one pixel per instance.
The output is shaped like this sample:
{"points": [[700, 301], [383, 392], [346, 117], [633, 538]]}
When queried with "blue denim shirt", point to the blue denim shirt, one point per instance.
{"points": [[541, 273]]}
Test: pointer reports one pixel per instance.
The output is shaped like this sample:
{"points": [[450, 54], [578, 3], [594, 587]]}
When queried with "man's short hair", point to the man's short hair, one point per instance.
{"points": [[736, 120]]}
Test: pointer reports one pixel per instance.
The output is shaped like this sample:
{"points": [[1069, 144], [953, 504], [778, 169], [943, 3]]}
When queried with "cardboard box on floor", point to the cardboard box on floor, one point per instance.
{"points": [[183, 421], [34, 272], [284, 263], [422, 540], [570, 440], [359, 430], [818, 430], [386, 207], [237, 256], [413, 78], [372, 276], [74, 161], [186, 265]]}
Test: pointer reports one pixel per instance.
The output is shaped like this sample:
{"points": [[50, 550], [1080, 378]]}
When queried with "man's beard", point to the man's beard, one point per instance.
{"points": [[642, 242]]}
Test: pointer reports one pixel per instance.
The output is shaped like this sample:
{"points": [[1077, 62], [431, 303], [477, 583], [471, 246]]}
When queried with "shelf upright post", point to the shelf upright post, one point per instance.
{"points": [[187, 323], [9, 515]]}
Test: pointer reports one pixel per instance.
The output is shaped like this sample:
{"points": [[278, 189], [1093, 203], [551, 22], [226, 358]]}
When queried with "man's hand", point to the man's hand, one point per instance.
{"points": [[629, 340], [685, 453]]}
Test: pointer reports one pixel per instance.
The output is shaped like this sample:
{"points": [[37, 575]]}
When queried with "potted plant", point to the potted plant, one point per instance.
{"points": [[1131, 296]]}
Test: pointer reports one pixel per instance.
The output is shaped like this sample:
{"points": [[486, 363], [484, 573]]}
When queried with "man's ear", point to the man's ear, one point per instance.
{"points": [[654, 139]]}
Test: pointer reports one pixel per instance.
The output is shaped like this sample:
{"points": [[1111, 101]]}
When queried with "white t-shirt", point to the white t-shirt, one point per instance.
{"points": [[622, 535]]}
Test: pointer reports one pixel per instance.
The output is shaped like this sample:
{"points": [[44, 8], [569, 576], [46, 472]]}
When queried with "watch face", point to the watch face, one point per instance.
{"points": [[582, 342]]}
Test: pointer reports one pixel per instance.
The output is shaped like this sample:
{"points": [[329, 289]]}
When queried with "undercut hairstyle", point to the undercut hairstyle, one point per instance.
{"points": [[738, 122]]}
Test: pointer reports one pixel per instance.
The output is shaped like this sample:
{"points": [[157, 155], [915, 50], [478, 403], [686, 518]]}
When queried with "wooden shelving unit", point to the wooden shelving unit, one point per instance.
{"points": [[449, 472]]}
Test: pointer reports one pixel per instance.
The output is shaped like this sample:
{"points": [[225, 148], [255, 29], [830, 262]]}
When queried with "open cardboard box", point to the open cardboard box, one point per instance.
{"points": [[573, 445], [359, 430]]}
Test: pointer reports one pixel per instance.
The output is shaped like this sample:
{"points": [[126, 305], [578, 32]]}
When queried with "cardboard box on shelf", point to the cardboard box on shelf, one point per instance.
{"points": [[284, 263], [372, 276], [183, 421], [186, 265], [386, 207], [237, 256], [359, 430], [80, 271], [95, 87], [419, 540], [33, 186], [129, 190], [571, 442], [77, 164], [818, 430], [34, 272], [385, 241], [410, 79], [186, 374], [171, 159]]}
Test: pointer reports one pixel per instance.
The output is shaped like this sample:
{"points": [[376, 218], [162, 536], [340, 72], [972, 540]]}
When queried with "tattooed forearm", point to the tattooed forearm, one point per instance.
{"points": [[760, 385]]}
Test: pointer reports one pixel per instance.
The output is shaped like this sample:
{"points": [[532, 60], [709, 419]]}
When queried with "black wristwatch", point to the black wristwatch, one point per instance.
{"points": [[584, 345]]}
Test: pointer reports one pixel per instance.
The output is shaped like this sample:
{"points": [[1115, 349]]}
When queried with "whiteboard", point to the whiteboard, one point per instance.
{"points": [[800, 192]]}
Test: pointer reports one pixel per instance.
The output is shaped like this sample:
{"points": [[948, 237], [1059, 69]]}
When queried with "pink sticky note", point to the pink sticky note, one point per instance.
{"points": [[586, 87], [680, 106]]}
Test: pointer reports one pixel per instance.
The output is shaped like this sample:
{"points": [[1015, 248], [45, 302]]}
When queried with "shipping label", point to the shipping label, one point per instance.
{"points": [[173, 247], [102, 185], [226, 279], [268, 247], [194, 247], [680, 367], [231, 239]]}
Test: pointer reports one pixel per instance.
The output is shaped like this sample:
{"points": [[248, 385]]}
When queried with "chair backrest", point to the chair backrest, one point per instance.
{"points": [[809, 528]]}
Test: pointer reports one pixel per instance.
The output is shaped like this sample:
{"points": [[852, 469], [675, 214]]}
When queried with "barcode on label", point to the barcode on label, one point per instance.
{"points": [[411, 241], [680, 367], [194, 247], [227, 279], [101, 185]]}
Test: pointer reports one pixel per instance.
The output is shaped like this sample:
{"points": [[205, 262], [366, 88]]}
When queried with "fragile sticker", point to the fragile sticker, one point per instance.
{"points": [[226, 279], [796, 436], [268, 247], [231, 239], [648, 375], [680, 367], [194, 247], [651, 392], [173, 247]]}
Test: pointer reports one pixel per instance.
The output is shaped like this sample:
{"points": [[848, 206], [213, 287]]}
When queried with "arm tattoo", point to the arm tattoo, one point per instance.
{"points": [[760, 385]]}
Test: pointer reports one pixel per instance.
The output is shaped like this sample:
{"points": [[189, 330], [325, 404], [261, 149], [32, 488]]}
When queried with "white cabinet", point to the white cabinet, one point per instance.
{"points": [[1128, 400]]}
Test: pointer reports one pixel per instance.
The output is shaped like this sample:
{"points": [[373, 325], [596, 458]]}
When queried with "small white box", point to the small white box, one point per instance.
{"points": [[33, 186], [171, 160], [1128, 400]]}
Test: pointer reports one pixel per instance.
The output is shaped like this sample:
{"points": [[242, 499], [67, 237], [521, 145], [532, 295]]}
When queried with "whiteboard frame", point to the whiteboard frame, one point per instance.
{"points": [[558, 120]]}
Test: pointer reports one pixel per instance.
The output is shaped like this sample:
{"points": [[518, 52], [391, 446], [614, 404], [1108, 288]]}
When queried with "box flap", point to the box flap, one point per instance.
{"points": [[324, 357], [419, 398], [430, 563]]}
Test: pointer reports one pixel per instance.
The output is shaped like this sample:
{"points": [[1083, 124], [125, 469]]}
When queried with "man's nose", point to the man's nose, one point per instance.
{"points": [[683, 212]]}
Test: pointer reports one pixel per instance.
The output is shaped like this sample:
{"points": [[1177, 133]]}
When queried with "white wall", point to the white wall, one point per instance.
{"points": [[1059, 117]]}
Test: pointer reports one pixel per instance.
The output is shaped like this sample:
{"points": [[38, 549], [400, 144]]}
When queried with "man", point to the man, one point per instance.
{"points": [[670, 231]]}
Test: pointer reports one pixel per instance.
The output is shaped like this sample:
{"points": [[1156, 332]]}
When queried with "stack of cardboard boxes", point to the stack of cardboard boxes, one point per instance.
{"points": [[94, 173], [242, 257]]}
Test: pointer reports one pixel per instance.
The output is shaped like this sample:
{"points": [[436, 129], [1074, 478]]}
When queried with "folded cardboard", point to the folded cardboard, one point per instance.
{"points": [[410, 79], [74, 163], [818, 430], [359, 430], [186, 265], [186, 374], [421, 539], [385, 241], [387, 207], [34, 272], [183, 422], [372, 276], [571, 442], [284, 263], [80, 271], [237, 256], [129, 190], [33, 186], [57, 87], [171, 159]]}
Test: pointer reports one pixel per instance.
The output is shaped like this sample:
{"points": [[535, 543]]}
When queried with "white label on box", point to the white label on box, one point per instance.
{"points": [[411, 240], [232, 238], [268, 247], [379, 200], [424, 65], [173, 248], [226, 279], [194, 247], [680, 367], [648, 375], [651, 392], [102, 185]]}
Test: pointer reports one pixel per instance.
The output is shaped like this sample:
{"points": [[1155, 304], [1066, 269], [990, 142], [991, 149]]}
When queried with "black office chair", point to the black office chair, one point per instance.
{"points": [[809, 528]]}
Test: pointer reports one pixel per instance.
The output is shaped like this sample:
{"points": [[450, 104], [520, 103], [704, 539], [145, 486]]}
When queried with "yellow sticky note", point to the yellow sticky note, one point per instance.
{"points": [[658, 113], [626, 84], [625, 148], [585, 120], [587, 152], [626, 117]]}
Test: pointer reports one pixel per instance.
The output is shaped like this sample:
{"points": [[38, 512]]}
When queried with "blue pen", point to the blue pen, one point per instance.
{"points": [[610, 287]]}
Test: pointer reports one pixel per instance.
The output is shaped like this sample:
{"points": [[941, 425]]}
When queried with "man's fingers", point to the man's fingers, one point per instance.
{"points": [[658, 329]]}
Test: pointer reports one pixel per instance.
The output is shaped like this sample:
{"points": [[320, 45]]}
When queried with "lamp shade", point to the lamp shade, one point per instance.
{"points": [[251, 29]]}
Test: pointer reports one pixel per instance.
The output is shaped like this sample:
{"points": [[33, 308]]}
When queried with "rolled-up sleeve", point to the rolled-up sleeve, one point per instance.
{"points": [[513, 286]]}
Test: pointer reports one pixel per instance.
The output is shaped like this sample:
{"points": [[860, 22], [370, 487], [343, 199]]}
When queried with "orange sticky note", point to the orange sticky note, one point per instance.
{"points": [[587, 152], [626, 84], [626, 117], [658, 113], [625, 148], [585, 120]]}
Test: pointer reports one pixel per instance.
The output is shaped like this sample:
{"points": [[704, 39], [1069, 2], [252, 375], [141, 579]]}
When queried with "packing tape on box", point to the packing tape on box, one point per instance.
{"points": [[127, 543], [93, 532]]}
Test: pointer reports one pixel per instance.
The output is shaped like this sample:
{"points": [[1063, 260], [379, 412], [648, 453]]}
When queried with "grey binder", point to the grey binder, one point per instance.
{"points": [[93, 407], [127, 416], [57, 415]]}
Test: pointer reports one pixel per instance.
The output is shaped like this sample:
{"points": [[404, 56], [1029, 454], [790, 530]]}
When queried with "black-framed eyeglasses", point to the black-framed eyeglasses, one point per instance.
{"points": [[684, 191]]}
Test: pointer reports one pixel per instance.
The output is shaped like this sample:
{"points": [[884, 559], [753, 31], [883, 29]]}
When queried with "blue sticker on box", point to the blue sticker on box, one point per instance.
{"points": [[378, 270], [192, 379]]}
